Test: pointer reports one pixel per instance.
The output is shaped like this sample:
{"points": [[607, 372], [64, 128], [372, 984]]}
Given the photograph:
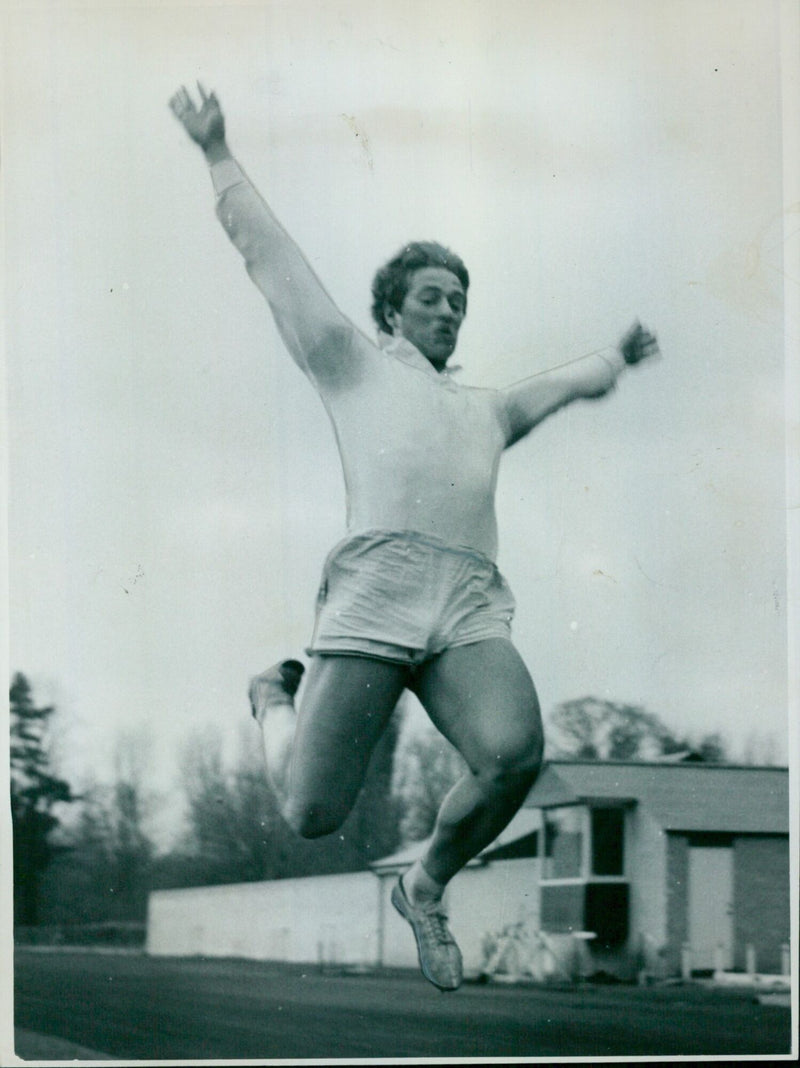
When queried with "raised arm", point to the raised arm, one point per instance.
{"points": [[529, 402], [318, 336]]}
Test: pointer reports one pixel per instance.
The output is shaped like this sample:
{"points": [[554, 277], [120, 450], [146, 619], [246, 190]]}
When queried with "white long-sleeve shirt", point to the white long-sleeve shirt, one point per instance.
{"points": [[420, 452]]}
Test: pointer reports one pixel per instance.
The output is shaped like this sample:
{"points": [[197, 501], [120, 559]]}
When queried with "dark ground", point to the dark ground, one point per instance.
{"points": [[132, 1007]]}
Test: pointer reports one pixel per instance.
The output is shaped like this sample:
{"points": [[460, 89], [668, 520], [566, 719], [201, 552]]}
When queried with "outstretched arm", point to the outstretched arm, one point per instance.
{"points": [[532, 400], [318, 336]]}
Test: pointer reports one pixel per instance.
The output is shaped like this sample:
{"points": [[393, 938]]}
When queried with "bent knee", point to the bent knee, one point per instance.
{"points": [[513, 765], [312, 821]]}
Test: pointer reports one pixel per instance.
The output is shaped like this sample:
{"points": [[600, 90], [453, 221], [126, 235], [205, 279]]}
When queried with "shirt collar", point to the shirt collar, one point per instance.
{"points": [[402, 349]]}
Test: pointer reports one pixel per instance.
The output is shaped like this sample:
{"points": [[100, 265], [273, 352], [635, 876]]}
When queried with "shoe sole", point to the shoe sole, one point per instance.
{"points": [[287, 674], [291, 671], [399, 901]]}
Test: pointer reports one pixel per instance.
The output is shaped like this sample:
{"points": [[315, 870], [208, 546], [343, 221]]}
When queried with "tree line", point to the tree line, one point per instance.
{"points": [[89, 856]]}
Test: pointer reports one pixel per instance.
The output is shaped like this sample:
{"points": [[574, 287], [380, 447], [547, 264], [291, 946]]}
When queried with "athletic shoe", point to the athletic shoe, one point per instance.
{"points": [[275, 686], [439, 956]]}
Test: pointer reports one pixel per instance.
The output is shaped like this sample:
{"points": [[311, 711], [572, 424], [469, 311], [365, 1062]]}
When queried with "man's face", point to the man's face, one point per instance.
{"points": [[432, 313]]}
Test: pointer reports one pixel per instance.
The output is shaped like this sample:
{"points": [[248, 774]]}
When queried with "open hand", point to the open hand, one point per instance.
{"points": [[205, 125], [638, 344]]}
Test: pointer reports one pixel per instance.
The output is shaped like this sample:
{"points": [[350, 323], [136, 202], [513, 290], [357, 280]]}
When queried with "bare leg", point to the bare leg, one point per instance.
{"points": [[317, 758], [482, 699]]}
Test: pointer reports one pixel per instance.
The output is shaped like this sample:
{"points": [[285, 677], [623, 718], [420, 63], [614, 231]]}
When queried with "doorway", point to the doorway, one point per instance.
{"points": [[711, 907]]}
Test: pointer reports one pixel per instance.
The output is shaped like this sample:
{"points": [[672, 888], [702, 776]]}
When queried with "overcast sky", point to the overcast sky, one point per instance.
{"points": [[174, 483]]}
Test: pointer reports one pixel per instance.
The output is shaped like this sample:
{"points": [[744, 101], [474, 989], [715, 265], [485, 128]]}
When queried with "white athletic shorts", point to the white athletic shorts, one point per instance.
{"points": [[405, 597]]}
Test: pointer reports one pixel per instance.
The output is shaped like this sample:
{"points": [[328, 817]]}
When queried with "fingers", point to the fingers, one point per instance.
{"points": [[208, 98], [645, 340], [181, 103], [633, 331], [651, 346], [645, 346], [638, 344]]}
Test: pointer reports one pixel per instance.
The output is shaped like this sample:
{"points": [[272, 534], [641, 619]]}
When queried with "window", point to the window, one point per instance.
{"points": [[608, 838], [563, 843], [583, 842]]}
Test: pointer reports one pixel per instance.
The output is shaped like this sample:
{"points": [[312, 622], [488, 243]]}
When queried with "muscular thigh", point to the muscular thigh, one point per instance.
{"points": [[345, 706], [482, 698]]}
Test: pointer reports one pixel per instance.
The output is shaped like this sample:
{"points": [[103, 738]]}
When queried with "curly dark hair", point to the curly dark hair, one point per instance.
{"points": [[391, 282]]}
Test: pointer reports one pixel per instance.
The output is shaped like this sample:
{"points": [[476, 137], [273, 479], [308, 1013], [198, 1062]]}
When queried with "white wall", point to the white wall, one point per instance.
{"points": [[333, 917], [336, 917], [479, 900], [349, 919], [646, 868]]}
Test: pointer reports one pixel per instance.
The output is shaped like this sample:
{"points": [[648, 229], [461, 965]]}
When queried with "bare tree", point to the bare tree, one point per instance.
{"points": [[105, 873], [235, 831], [592, 729], [426, 767]]}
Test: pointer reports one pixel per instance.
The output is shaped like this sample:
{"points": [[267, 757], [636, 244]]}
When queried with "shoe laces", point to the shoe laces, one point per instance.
{"points": [[435, 919]]}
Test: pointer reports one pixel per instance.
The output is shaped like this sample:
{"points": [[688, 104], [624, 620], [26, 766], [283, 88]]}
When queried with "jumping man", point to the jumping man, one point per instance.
{"points": [[411, 598]]}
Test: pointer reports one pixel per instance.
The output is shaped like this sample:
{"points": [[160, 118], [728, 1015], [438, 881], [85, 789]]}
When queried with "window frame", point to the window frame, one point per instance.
{"points": [[586, 874]]}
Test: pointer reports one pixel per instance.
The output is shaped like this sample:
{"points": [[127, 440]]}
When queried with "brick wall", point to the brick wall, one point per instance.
{"points": [[761, 900]]}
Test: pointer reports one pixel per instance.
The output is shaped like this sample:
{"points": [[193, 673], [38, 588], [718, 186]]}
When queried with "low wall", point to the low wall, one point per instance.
{"points": [[333, 918], [336, 919]]}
